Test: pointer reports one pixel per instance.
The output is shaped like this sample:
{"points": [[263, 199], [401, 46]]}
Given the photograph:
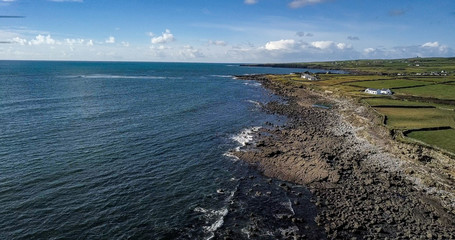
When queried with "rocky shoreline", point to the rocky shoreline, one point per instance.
{"points": [[365, 184]]}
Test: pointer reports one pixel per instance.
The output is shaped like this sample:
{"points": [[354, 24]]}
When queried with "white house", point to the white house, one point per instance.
{"points": [[378, 91], [386, 91], [309, 77]]}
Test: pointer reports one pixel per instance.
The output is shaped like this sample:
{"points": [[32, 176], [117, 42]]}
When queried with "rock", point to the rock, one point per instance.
{"points": [[357, 225], [358, 185]]}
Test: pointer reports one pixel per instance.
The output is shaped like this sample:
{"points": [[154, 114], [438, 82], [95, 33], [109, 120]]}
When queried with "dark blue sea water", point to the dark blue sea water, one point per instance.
{"points": [[92, 150]]}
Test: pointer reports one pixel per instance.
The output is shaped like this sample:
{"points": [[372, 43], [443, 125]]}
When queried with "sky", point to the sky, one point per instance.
{"points": [[229, 31]]}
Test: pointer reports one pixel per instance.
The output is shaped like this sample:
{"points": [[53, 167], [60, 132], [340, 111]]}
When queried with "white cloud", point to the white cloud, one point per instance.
{"points": [[283, 44], [322, 44], [189, 52], [217, 43], [125, 44], [303, 3], [160, 48], [250, 2], [8, 0], [369, 50], [166, 37], [343, 46], [431, 44], [110, 40], [74, 41], [90, 43], [40, 39], [19, 40], [430, 49]]}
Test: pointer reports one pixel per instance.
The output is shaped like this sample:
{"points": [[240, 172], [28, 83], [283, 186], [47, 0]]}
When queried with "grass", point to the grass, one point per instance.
{"points": [[389, 83], [382, 101], [442, 138], [440, 91], [335, 79], [433, 79], [415, 118]]}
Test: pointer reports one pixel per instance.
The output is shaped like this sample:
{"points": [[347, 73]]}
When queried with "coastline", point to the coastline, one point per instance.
{"points": [[366, 184]]}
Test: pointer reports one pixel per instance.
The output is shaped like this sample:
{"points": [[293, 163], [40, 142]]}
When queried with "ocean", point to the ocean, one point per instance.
{"points": [[106, 150]]}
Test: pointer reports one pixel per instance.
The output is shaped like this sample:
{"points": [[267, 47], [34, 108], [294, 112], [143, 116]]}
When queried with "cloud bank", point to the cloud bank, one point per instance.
{"points": [[165, 37]]}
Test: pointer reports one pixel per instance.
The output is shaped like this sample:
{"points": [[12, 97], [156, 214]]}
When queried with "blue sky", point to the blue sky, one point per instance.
{"points": [[226, 30]]}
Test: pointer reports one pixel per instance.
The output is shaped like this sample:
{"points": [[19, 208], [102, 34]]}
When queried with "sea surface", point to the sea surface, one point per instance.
{"points": [[98, 150]]}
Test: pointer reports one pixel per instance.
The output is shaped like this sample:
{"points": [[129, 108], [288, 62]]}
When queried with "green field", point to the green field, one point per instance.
{"points": [[389, 83], [442, 138], [334, 79], [440, 91], [434, 79], [382, 101], [414, 118]]}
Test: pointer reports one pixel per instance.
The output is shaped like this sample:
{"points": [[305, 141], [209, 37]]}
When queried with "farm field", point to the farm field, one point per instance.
{"points": [[397, 83], [334, 79], [442, 138], [439, 91], [414, 118], [434, 79], [382, 101]]}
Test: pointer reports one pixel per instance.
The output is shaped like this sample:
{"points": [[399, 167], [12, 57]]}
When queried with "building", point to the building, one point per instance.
{"points": [[309, 77], [375, 91]]}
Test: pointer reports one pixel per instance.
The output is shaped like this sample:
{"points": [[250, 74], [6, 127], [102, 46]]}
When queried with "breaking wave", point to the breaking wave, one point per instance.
{"points": [[215, 217], [244, 137]]}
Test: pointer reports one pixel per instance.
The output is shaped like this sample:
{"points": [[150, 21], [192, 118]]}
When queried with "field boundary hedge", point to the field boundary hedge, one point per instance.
{"points": [[426, 129]]}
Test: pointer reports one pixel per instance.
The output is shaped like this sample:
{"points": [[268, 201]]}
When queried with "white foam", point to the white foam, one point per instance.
{"points": [[210, 214], [245, 136], [108, 76], [222, 76], [218, 215], [254, 102], [231, 156], [219, 222], [250, 83]]}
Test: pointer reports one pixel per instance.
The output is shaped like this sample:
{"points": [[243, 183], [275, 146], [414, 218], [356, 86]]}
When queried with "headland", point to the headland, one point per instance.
{"points": [[367, 182]]}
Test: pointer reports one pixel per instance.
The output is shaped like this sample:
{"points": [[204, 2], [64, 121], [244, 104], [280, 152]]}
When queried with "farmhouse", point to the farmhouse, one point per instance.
{"points": [[309, 77], [378, 91]]}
